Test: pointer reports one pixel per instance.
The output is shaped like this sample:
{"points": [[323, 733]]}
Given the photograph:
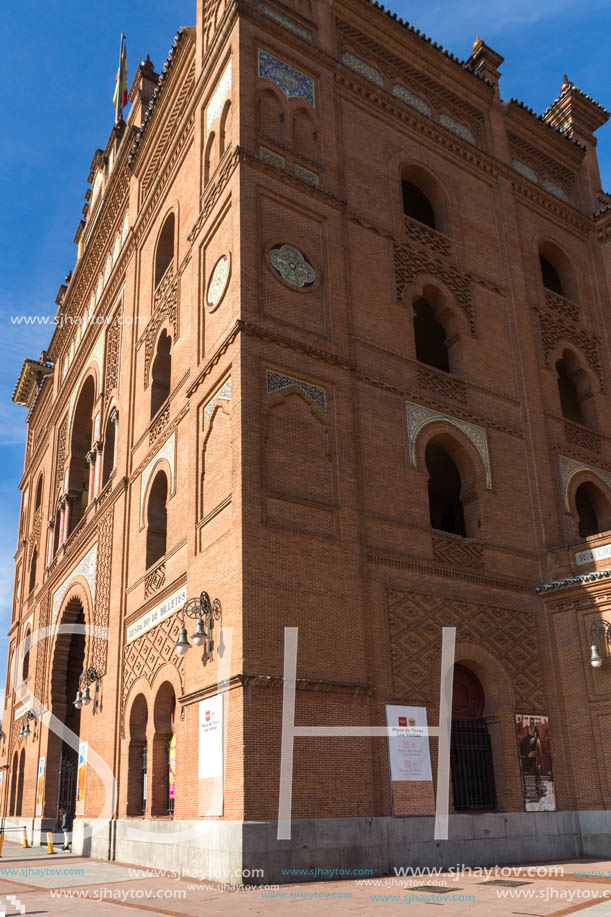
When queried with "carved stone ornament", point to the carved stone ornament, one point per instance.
{"points": [[292, 266]]}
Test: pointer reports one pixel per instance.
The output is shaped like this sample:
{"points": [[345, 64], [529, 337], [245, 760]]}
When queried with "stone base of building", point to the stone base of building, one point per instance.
{"points": [[249, 852], [36, 830]]}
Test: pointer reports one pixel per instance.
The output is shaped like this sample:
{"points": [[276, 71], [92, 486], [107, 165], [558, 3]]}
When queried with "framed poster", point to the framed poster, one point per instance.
{"points": [[81, 777], [532, 734], [409, 753], [40, 783], [172, 769]]}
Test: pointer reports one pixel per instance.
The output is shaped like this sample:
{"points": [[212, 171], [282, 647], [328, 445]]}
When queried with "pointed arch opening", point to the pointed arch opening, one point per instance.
{"points": [[574, 390], [25, 670], [38, 497], [80, 445], [137, 783], [157, 520], [161, 373], [557, 272], [592, 509], [271, 116], [430, 337], [444, 489], [164, 254], [163, 776], [33, 570], [109, 449]]}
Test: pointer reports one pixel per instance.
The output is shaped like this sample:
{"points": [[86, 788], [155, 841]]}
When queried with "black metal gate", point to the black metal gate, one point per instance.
{"points": [[66, 788], [472, 766]]}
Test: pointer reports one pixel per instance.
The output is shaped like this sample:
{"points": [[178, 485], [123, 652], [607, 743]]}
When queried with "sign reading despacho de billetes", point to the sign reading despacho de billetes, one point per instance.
{"points": [[157, 614]]}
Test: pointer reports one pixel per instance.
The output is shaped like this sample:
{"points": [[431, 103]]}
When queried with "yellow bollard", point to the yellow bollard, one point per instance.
{"points": [[24, 838], [49, 842], [1, 842]]}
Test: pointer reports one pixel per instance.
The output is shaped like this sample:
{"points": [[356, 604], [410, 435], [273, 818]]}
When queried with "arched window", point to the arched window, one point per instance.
{"points": [[109, 449], [557, 271], [161, 373], [445, 504], [211, 157], [550, 276], [305, 139], [429, 335], [26, 658], [57, 529], [33, 566], [82, 428], [165, 249], [226, 126], [417, 205], [137, 787], [593, 510], [38, 498], [271, 116], [157, 520], [162, 787], [574, 390]]}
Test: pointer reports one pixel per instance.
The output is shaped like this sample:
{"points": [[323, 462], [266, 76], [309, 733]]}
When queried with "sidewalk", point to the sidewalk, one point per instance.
{"points": [[55, 884]]}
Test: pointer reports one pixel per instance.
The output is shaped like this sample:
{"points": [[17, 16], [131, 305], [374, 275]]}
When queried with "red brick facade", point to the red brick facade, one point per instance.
{"points": [[248, 412]]}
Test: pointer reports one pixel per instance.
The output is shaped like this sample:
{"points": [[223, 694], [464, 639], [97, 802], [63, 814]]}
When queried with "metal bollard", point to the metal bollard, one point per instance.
{"points": [[50, 842], [24, 838], [1, 842]]}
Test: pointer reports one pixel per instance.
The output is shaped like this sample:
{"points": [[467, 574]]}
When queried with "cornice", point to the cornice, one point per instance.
{"points": [[251, 679], [379, 558]]}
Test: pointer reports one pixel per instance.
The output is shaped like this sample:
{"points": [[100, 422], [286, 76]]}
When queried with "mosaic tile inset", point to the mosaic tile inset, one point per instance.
{"points": [[524, 170], [86, 568], [290, 24], [278, 382], [415, 101], [293, 83], [457, 128], [292, 266], [418, 416], [366, 70], [223, 392]]}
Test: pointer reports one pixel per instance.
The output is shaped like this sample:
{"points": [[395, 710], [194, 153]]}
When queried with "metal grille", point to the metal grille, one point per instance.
{"points": [[472, 766], [66, 788]]}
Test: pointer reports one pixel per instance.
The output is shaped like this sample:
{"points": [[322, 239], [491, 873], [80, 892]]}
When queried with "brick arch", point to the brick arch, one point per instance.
{"points": [[468, 458], [74, 602], [563, 262], [162, 464], [91, 371], [566, 345], [417, 170], [603, 492], [272, 111]]}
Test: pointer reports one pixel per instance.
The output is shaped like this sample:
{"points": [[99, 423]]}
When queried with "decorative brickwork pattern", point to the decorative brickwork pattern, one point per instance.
{"points": [[145, 656], [101, 607], [554, 328], [424, 235], [569, 467], [113, 356], [165, 306], [458, 552], [416, 621], [442, 385], [160, 424], [559, 306], [579, 436], [154, 580], [410, 262], [60, 462]]}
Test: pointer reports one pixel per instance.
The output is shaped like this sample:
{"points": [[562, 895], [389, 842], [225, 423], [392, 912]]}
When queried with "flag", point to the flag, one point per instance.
{"points": [[120, 96]]}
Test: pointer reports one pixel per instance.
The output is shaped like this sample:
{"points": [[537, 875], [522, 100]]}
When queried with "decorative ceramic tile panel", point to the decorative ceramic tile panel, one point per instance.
{"points": [[570, 467], [556, 190], [524, 170], [461, 130], [274, 159], [311, 177], [415, 101], [218, 97], [223, 392], [290, 24], [293, 83], [278, 382], [360, 66], [419, 417], [292, 266], [167, 451], [218, 281], [86, 568]]}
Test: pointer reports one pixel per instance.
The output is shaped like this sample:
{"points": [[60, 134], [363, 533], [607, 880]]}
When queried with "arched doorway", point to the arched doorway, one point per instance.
{"points": [[68, 665], [470, 749], [20, 783], [14, 775]]}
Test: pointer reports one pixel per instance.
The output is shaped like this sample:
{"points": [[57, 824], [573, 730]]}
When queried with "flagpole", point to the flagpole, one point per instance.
{"points": [[118, 106]]}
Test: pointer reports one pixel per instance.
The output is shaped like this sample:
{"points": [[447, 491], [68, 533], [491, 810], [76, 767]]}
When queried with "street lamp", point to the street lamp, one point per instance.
{"points": [[598, 629], [83, 695], [204, 613]]}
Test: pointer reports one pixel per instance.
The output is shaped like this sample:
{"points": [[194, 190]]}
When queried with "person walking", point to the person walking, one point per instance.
{"points": [[67, 819]]}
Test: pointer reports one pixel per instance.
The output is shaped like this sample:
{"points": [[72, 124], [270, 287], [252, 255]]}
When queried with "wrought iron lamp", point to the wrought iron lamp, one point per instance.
{"points": [[83, 695], [24, 729], [598, 629], [204, 613]]}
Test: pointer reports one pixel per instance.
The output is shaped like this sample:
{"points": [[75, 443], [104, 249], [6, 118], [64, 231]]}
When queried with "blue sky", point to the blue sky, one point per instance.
{"points": [[57, 71]]}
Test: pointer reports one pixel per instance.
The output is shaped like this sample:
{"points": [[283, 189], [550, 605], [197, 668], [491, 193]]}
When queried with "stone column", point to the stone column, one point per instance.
{"points": [[98, 468], [50, 537], [91, 458], [62, 522]]}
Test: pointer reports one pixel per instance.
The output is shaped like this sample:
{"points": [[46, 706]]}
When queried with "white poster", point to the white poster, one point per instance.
{"points": [[408, 744], [211, 737]]}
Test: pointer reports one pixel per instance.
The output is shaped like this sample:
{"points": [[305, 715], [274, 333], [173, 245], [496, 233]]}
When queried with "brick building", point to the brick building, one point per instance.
{"points": [[336, 351]]}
